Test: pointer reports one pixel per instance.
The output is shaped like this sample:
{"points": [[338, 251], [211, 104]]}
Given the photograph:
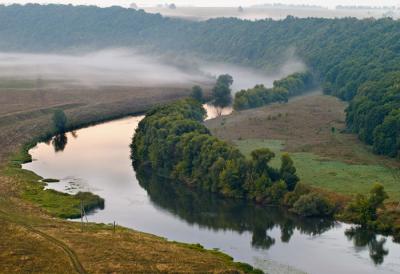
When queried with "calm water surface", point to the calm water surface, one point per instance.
{"points": [[97, 159]]}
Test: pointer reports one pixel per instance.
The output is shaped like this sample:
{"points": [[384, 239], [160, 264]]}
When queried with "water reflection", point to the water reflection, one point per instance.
{"points": [[210, 211], [367, 239], [59, 142]]}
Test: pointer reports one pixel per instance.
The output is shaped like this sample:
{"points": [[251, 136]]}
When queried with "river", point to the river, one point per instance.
{"points": [[97, 159]]}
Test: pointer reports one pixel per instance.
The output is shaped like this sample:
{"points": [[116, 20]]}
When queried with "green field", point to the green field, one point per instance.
{"points": [[332, 175]]}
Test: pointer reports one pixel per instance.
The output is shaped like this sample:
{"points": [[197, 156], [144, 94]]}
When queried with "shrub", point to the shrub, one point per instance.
{"points": [[276, 192], [313, 204], [292, 197], [363, 210]]}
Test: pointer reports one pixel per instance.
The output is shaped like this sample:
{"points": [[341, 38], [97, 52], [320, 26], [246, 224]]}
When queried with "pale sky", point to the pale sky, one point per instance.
{"points": [[209, 3]]}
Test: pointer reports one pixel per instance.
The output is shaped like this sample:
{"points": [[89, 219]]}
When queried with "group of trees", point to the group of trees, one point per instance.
{"points": [[172, 142], [282, 90]]}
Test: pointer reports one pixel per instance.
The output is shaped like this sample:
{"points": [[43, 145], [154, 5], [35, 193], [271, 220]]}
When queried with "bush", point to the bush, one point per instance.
{"points": [[292, 197], [276, 192], [312, 205], [363, 210]]}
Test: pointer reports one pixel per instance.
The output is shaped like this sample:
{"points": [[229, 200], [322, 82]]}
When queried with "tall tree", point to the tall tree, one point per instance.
{"points": [[288, 172], [59, 121], [221, 92], [197, 93]]}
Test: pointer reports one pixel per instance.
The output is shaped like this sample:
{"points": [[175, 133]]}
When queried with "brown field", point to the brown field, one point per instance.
{"points": [[32, 241]]}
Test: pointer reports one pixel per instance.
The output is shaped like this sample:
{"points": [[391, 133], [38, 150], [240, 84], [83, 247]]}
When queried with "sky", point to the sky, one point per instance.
{"points": [[210, 3]]}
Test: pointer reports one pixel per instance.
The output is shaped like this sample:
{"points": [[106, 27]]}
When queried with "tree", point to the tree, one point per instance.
{"points": [[59, 121], [260, 159], [197, 93], [221, 92], [288, 172], [363, 210]]}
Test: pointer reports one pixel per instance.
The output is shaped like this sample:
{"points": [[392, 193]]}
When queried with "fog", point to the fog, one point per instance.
{"points": [[247, 77], [126, 67], [107, 67]]}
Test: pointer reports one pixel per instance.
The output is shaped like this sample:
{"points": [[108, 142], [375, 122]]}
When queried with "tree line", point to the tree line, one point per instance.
{"points": [[282, 90], [356, 60], [172, 142]]}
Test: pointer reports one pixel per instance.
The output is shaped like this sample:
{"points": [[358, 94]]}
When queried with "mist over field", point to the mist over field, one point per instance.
{"points": [[127, 67], [100, 68]]}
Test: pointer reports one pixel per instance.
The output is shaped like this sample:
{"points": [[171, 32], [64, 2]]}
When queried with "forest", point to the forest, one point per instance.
{"points": [[282, 90], [355, 60]]}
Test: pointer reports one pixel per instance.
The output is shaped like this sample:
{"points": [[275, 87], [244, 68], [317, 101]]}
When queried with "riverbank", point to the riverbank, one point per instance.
{"points": [[31, 239]]}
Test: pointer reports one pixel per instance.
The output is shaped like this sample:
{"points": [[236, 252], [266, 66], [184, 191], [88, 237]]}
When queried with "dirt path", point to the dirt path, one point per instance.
{"points": [[68, 251]]}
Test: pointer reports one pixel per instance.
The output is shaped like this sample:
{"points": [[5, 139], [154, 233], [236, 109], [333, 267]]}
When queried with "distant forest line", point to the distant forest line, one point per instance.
{"points": [[356, 60]]}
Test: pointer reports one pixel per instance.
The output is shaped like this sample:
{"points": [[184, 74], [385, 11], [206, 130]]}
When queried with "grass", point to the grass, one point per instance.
{"points": [[56, 203], [333, 175]]}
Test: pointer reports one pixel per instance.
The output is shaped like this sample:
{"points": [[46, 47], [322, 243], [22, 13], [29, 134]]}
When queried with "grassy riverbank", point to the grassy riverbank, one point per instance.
{"points": [[32, 237]]}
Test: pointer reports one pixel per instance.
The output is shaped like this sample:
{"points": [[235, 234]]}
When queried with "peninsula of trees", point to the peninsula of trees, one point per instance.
{"points": [[282, 90], [172, 142]]}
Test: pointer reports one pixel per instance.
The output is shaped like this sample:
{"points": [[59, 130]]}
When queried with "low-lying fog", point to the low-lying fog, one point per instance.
{"points": [[107, 67], [246, 77], [125, 67]]}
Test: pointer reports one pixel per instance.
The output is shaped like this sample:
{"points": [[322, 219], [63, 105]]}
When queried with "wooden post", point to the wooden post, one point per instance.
{"points": [[114, 227], [81, 215]]}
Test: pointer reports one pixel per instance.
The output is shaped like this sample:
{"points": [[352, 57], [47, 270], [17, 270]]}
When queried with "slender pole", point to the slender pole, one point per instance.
{"points": [[114, 227], [81, 215]]}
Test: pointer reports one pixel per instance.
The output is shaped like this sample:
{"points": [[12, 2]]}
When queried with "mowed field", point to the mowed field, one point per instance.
{"points": [[34, 241], [312, 129]]}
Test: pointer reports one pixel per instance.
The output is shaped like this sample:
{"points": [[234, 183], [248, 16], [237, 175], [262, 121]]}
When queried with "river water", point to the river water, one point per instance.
{"points": [[97, 159]]}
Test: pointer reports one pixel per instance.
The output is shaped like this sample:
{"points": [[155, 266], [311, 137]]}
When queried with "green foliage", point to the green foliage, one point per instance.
{"points": [[172, 142], [197, 93], [276, 193], [288, 172], [291, 197], [59, 121], [221, 92], [292, 85], [363, 210], [313, 204]]}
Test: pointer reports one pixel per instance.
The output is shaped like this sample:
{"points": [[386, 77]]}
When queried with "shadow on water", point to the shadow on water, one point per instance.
{"points": [[363, 239], [208, 210], [59, 142]]}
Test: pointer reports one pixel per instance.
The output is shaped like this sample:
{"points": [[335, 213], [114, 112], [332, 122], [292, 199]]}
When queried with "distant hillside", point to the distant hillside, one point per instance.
{"points": [[356, 60]]}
